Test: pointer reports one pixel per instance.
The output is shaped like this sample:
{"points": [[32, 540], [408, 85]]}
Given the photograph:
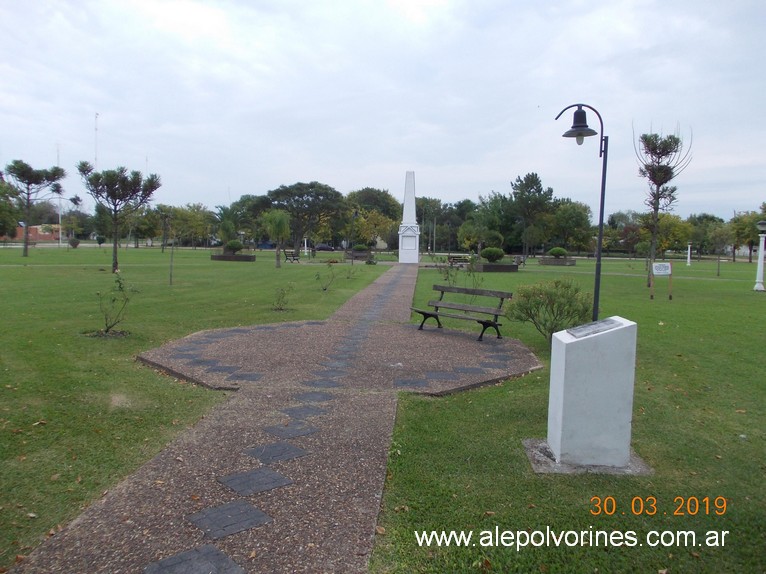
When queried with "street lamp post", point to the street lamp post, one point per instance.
{"points": [[761, 246], [689, 254], [579, 131]]}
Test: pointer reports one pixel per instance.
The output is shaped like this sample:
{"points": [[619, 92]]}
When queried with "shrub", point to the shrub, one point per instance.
{"points": [[113, 303], [492, 254], [558, 252], [360, 247], [74, 242], [550, 306], [233, 246]]}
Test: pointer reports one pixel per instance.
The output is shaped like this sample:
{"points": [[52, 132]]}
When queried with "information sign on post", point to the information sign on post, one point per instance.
{"points": [[664, 269]]}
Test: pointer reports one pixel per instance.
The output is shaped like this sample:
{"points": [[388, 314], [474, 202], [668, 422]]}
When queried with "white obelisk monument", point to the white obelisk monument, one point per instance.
{"points": [[409, 230]]}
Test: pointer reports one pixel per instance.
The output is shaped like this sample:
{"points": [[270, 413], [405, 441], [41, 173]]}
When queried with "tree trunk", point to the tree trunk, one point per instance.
{"points": [[115, 239]]}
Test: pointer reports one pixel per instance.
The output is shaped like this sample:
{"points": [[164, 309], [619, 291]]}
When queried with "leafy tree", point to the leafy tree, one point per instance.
{"points": [[250, 208], [660, 160], [672, 233], [571, 224], [720, 236], [380, 200], [702, 225], [9, 213], [33, 185], [309, 205], [122, 193], [431, 210], [371, 225], [745, 232], [194, 223], [277, 225], [475, 234], [531, 202]]}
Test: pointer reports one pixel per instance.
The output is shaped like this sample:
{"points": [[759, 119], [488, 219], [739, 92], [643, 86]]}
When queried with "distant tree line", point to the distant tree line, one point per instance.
{"points": [[527, 220]]}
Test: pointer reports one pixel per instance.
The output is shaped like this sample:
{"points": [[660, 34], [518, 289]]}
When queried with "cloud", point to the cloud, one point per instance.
{"points": [[233, 97]]}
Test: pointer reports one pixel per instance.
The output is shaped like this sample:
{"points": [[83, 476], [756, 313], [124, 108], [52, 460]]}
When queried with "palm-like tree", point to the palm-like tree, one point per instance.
{"points": [[277, 225]]}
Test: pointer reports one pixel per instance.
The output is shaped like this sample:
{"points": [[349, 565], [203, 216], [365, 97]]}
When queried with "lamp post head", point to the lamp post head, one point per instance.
{"points": [[761, 225], [580, 129]]}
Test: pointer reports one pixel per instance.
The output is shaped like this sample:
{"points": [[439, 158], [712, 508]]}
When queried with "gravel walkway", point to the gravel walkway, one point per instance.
{"points": [[287, 475]]}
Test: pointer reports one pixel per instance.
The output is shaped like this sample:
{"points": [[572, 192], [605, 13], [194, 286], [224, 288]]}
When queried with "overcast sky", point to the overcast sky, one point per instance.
{"points": [[225, 98]]}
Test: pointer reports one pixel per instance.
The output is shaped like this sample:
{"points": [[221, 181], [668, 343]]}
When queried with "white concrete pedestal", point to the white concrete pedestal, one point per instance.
{"points": [[590, 407]]}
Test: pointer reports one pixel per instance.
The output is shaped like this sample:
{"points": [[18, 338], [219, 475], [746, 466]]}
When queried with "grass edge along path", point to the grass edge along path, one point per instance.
{"points": [[78, 413], [457, 463]]}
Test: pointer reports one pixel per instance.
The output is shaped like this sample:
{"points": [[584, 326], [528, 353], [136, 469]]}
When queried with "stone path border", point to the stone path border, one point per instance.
{"points": [[287, 475]]}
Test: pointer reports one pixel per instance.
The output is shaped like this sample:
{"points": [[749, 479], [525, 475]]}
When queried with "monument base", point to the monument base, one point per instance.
{"points": [[543, 462]]}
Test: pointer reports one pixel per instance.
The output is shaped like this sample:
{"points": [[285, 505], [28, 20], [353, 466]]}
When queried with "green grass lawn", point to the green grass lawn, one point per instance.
{"points": [[77, 412], [457, 462]]}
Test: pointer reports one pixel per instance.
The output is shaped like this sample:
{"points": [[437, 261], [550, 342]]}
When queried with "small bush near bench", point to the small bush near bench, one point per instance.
{"points": [[550, 306]]}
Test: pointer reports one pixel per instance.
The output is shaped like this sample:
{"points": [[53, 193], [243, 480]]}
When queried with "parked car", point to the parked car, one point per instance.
{"points": [[324, 247]]}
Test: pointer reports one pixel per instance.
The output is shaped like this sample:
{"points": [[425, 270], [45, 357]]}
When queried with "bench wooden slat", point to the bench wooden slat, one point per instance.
{"points": [[470, 291], [463, 307]]}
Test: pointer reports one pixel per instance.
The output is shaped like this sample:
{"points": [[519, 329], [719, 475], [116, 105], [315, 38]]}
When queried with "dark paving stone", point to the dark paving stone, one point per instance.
{"points": [[203, 560], [477, 370], [251, 377], [335, 364], [441, 376], [321, 384], [499, 357], [253, 481], [265, 328], [275, 452], [329, 373], [217, 336], [222, 369], [304, 411], [410, 383], [495, 365], [205, 362], [188, 348], [292, 429], [229, 518], [314, 397], [184, 355], [314, 322]]}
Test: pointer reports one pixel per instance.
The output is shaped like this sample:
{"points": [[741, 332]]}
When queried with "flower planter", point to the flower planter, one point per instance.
{"points": [[562, 261], [232, 257], [497, 267]]}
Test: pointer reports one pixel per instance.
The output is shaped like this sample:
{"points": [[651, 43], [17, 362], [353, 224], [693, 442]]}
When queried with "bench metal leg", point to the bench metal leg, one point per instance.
{"points": [[428, 316], [486, 325]]}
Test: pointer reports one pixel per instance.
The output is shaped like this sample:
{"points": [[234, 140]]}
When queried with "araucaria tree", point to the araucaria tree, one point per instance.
{"points": [[120, 192], [660, 160], [33, 185]]}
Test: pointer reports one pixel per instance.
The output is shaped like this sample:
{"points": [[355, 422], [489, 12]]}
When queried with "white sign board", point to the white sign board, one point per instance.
{"points": [[662, 269]]}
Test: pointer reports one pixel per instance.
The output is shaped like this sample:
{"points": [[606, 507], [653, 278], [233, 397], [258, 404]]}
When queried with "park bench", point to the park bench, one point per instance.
{"points": [[355, 255], [458, 260], [486, 315], [291, 255]]}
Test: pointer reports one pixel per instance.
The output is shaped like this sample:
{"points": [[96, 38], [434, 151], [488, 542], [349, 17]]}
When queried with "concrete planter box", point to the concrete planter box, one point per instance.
{"points": [[232, 257], [497, 267], [562, 261]]}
